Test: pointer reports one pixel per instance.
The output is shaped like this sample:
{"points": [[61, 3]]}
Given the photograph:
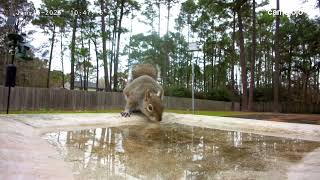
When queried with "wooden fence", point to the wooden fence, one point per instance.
{"points": [[29, 98]]}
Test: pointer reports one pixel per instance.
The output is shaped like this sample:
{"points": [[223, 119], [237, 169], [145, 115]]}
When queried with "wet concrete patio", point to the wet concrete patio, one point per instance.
{"points": [[99, 146]]}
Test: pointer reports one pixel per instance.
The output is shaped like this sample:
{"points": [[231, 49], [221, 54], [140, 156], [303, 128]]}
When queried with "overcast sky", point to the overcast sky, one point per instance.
{"points": [[286, 6]]}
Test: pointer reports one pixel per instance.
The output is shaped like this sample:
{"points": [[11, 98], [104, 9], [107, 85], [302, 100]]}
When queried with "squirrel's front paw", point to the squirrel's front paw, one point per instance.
{"points": [[125, 114]]}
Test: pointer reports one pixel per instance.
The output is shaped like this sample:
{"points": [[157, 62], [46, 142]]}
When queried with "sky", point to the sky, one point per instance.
{"points": [[39, 38]]}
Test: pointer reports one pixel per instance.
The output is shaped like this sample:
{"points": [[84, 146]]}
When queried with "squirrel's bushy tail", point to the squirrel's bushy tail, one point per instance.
{"points": [[144, 69]]}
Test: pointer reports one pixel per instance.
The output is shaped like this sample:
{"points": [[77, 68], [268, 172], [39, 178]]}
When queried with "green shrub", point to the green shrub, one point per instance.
{"points": [[200, 95], [177, 91], [221, 94], [263, 94]]}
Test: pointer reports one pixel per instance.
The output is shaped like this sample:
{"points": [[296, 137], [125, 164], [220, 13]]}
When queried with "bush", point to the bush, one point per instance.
{"points": [[221, 94], [263, 94], [200, 95], [177, 91]]}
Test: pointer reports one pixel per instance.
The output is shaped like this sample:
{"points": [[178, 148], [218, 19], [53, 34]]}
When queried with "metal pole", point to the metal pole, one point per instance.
{"points": [[193, 75], [8, 101], [13, 52], [192, 87], [9, 90]]}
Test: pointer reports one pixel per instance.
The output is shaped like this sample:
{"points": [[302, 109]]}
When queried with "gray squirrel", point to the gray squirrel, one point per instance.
{"points": [[143, 93]]}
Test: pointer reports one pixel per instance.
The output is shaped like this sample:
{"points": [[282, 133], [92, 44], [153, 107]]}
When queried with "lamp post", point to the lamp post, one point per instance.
{"points": [[11, 69], [15, 40], [192, 47], [192, 87]]}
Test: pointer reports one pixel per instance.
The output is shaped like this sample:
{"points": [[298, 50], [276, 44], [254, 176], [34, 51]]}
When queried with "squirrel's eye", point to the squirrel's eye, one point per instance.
{"points": [[150, 108]]}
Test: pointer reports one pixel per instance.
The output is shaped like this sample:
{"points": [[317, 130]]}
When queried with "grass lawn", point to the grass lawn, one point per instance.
{"points": [[212, 113]]}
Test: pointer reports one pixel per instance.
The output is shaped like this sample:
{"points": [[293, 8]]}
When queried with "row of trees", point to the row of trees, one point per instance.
{"points": [[260, 55], [85, 24], [246, 54]]}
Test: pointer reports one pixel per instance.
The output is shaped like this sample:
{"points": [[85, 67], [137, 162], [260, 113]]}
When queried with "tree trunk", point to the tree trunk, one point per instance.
{"points": [[305, 87], [276, 65], [81, 82], [113, 41], [62, 67], [204, 73], [167, 63], [97, 62], [289, 72], [50, 58], [187, 73], [314, 91], [233, 58], [218, 69], [159, 7], [73, 45], [212, 54], [88, 64], [318, 86], [259, 78], [104, 50], [168, 15], [130, 44], [214, 68], [116, 61], [242, 63], [83, 61], [212, 71], [308, 82], [253, 59], [265, 80]]}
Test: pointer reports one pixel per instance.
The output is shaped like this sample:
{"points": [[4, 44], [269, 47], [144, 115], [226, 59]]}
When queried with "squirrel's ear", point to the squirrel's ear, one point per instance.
{"points": [[147, 94]]}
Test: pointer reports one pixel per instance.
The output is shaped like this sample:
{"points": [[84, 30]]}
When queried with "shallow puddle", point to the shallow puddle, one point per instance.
{"points": [[175, 151]]}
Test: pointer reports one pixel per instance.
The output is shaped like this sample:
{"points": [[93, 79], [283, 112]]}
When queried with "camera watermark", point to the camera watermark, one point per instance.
{"points": [[275, 12]]}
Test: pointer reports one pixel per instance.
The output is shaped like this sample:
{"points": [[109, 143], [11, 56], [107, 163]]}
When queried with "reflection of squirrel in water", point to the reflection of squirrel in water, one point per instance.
{"points": [[143, 93]]}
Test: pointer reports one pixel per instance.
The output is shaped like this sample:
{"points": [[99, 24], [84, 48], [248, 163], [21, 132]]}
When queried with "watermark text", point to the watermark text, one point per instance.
{"points": [[275, 12]]}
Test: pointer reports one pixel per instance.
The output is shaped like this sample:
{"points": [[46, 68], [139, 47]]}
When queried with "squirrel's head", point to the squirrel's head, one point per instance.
{"points": [[152, 105]]}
